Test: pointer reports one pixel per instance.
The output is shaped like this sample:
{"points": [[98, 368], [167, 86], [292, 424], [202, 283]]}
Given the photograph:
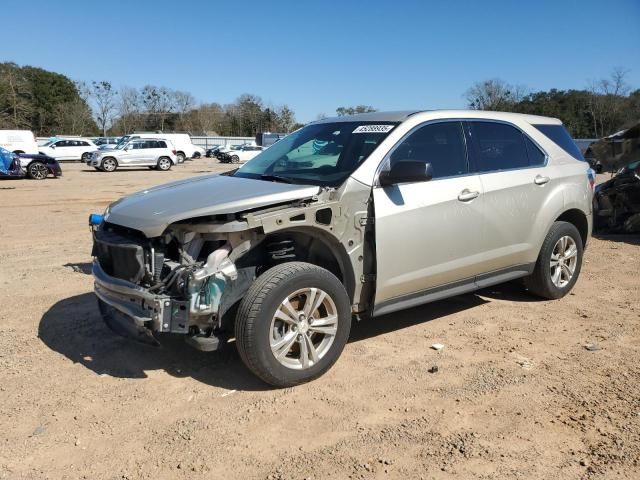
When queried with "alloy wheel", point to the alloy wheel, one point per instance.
{"points": [[564, 259], [38, 171], [303, 328]]}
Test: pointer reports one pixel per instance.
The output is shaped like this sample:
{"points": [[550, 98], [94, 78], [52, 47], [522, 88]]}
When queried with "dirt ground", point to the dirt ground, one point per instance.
{"points": [[516, 394]]}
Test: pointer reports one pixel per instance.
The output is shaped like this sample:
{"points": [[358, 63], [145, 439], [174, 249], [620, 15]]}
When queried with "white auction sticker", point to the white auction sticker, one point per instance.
{"points": [[373, 129]]}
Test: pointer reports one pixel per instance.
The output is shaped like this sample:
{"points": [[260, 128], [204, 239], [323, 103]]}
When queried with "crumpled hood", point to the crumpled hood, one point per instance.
{"points": [[152, 210]]}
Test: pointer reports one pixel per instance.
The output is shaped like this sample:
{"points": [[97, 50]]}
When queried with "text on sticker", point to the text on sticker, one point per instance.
{"points": [[373, 129]]}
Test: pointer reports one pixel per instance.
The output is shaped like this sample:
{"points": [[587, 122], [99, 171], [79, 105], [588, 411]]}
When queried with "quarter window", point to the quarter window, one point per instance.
{"points": [[536, 156], [498, 147], [440, 144]]}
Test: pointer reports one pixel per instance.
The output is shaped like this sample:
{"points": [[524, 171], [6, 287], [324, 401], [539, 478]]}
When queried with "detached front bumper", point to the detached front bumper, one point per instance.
{"points": [[133, 311]]}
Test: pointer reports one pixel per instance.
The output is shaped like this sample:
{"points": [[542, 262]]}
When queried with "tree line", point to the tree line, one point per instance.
{"points": [[50, 103], [604, 107]]}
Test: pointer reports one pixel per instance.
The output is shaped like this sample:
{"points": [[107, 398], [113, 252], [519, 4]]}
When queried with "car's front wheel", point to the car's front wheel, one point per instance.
{"points": [[180, 157], [559, 262], [293, 323], [109, 164], [85, 157], [37, 171], [235, 159], [164, 164]]}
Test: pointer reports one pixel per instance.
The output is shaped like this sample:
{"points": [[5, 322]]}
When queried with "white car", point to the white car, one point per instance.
{"points": [[154, 153], [181, 141], [242, 154], [19, 141], [69, 149]]}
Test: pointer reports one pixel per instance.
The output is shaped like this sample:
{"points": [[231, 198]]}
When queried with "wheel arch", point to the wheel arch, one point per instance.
{"points": [[314, 246], [578, 219]]}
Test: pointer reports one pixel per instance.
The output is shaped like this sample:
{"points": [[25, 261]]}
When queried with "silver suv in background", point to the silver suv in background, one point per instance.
{"points": [[138, 152], [350, 217]]}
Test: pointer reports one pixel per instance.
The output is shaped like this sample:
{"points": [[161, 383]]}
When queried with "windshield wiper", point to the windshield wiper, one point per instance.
{"points": [[275, 178]]}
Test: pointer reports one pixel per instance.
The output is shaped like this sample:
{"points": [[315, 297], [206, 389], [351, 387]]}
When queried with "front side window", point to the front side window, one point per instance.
{"points": [[318, 154], [440, 144], [498, 146]]}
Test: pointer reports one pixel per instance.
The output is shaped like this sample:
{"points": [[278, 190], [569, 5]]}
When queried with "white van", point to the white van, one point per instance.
{"points": [[181, 142], [19, 141]]}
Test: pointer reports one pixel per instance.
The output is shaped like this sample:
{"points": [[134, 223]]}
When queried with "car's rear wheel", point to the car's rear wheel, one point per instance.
{"points": [[164, 164], [109, 164], [235, 159], [37, 171], [559, 262], [293, 323]]}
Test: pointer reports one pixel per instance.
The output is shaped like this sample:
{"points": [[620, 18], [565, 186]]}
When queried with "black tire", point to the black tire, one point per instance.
{"points": [[109, 164], [180, 157], [37, 171], [235, 159], [196, 155], [540, 282], [258, 307], [85, 156], [164, 164]]}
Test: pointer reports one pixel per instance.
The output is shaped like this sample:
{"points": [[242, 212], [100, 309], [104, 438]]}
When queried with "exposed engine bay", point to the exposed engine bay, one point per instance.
{"points": [[188, 279]]}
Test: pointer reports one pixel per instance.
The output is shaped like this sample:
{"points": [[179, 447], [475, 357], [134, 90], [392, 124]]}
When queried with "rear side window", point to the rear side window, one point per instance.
{"points": [[559, 135], [498, 147], [440, 144], [161, 144]]}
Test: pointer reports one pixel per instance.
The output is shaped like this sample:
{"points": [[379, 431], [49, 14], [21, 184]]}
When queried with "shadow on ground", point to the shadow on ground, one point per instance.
{"points": [[74, 328], [630, 238], [82, 267]]}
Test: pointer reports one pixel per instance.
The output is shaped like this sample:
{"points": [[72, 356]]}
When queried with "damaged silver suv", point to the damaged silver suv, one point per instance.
{"points": [[351, 217]]}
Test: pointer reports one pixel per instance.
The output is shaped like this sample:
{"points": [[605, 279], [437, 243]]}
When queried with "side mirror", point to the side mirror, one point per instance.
{"points": [[126, 149], [53, 146], [406, 171]]}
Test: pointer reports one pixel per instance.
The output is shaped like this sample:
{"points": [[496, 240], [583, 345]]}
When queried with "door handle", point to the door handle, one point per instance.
{"points": [[466, 195], [540, 180]]}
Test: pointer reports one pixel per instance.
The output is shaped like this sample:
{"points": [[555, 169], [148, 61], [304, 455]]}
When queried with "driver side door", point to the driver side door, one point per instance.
{"points": [[426, 231]]}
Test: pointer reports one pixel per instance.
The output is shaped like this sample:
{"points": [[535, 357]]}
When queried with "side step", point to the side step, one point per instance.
{"points": [[204, 343]]}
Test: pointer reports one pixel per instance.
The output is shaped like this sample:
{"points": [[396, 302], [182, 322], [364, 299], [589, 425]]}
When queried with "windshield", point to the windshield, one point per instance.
{"points": [[123, 141], [318, 154]]}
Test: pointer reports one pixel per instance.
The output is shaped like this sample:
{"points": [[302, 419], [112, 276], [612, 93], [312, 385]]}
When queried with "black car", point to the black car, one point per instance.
{"points": [[616, 202], [211, 152], [23, 165]]}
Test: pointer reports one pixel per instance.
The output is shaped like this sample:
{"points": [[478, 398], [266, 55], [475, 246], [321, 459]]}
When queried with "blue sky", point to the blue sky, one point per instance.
{"points": [[316, 56]]}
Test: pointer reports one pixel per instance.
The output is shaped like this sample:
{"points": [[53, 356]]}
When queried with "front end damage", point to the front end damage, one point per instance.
{"points": [[190, 279]]}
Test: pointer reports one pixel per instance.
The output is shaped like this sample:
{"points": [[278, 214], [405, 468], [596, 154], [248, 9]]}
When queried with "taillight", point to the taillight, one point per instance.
{"points": [[174, 152], [591, 175]]}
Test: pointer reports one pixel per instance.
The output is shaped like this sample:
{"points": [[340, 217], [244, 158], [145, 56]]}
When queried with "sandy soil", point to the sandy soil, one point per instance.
{"points": [[516, 393]]}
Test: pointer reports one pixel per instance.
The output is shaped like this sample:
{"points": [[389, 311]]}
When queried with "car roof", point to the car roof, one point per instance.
{"points": [[402, 115]]}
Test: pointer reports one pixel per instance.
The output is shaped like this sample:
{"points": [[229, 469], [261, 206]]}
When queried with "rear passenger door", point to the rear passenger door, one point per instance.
{"points": [[511, 168], [427, 232]]}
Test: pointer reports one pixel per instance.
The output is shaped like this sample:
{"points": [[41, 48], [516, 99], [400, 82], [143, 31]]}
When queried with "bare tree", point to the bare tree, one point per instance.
{"points": [[158, 103], [104, 96], [286, 118], [128, 109], [342, 111], [73, 118], [183, 103], [493, 94], [606, 101]]}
